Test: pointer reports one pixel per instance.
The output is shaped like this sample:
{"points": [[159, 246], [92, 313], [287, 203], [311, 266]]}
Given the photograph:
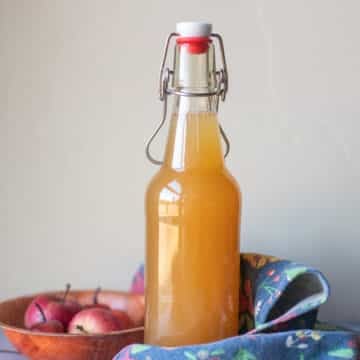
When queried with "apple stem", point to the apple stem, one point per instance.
{"points": [[96, 294], [66, 293], [81, 328], [41, 312]]}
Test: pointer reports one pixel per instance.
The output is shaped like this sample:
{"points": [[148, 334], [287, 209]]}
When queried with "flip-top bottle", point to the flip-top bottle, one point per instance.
{"points": [[193, 203]]}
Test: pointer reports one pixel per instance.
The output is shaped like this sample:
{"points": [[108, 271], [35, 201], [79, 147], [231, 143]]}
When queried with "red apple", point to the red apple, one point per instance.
{"points": [[33, 315], [51, 326], [136, 309], [94, 321], [124, 318], [54, 308], [48, 326]]}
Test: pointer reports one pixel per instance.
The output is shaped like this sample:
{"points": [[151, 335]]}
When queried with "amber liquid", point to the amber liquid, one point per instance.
{"points": [[192, 257]]}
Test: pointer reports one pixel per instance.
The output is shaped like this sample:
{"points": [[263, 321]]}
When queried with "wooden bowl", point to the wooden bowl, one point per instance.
{"points": [[47, 346]]}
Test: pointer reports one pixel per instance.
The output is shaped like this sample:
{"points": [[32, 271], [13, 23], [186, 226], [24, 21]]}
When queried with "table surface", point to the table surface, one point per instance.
{"points": [[5, 345]]}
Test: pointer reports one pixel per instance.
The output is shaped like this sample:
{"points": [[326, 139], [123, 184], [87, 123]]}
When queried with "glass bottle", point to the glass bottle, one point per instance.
{"points": [[193, 207]]}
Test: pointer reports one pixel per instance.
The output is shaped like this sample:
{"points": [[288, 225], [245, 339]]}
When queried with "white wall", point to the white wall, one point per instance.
{"points": [[78, 98]]}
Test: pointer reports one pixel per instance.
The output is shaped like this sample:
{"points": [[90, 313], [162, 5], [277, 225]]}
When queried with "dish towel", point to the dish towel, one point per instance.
{"points": [[279, 301]]}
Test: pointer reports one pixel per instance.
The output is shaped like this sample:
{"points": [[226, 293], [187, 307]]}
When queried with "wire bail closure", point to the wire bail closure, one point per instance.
{"points": [[222, 83]]}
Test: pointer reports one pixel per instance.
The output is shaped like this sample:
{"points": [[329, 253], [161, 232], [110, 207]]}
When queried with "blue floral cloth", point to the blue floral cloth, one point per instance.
{"points": [[279, 300]]}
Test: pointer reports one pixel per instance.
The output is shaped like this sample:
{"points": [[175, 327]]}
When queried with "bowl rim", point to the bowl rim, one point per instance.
{"points": [[25, 331], [39, 333]]}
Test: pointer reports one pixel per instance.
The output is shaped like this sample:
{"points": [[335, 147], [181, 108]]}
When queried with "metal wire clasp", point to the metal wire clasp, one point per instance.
{"points": [[220, 91]]}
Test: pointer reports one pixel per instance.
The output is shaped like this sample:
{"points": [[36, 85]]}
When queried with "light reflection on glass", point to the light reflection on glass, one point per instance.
{"points": [[179, 143], [169, 242]]}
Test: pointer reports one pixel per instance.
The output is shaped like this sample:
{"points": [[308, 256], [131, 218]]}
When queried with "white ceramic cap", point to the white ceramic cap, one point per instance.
{"points": [[194, 28]]}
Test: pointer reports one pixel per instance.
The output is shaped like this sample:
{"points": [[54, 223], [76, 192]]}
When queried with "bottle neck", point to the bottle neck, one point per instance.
{"points": [[194, 136]]}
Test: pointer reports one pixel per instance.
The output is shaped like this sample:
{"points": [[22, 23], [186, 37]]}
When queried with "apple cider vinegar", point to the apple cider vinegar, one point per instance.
{"points": [[193, 209]]}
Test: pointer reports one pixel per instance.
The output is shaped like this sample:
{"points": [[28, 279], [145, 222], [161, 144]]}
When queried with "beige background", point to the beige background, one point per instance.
{"points": [[78, 98]]}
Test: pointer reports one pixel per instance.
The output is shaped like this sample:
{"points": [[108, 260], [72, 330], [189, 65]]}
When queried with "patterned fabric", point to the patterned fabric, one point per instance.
{"points": [[300, 345], [278, 300]]}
